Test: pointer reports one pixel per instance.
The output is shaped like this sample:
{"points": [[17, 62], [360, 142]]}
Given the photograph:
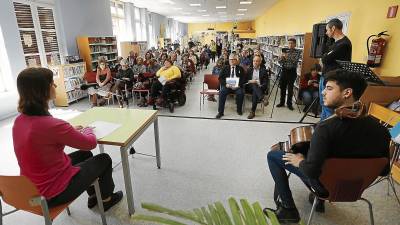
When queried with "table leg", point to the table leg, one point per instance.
{"points": [[157, 140], [127, 180], [101, 148]]}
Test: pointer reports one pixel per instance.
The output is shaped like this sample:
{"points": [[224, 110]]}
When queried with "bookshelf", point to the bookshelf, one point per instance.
{"points": [[91, 49], [139, 47], [68, 78], [271, 47]]}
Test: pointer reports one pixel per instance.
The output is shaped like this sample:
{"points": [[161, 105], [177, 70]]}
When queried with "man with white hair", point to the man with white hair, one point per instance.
{"points": [[231, 73]]}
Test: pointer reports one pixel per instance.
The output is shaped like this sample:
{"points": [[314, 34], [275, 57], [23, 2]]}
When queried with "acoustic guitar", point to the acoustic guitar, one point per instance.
{"points": [[299, 140]]}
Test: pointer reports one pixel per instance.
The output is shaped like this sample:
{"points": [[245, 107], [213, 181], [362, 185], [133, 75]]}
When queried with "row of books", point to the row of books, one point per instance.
{"points": [[76, 95], [282, 41], [73, 83], [106, 57], [74, 71], [103, 49]]}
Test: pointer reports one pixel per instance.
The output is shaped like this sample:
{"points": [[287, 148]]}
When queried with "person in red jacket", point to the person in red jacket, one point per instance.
{"points": [[39, 141], [310, 87]]}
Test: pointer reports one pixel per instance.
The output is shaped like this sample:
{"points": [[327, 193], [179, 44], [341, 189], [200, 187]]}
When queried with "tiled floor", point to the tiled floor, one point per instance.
{"points": [[203, 161]]}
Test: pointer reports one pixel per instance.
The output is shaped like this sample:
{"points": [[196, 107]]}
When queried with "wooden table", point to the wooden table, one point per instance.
{"points": [[133, 123]]}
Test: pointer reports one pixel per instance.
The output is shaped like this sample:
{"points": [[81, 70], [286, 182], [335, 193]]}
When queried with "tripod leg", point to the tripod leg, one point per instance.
{"points": [[295, 99], [273, 105], [316, 100]]}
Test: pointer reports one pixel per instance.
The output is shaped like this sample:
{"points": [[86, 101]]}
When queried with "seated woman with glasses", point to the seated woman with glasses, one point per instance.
{"points": [[39, 142], [124, 78], [164, 83]]}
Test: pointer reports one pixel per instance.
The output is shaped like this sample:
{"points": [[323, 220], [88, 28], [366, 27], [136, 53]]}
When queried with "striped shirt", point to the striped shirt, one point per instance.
{"points": [[290, 62]]}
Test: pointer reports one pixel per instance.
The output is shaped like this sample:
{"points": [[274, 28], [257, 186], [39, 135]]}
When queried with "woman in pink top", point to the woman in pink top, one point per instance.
{"points": [[39, 141]]}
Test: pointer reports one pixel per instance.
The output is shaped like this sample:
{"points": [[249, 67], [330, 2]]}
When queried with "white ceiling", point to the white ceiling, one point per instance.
{"points": [[181, 10]]}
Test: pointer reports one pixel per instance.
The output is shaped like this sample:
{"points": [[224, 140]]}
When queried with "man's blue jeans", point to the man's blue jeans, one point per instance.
{"points": [[278, 169], [325, 112]]}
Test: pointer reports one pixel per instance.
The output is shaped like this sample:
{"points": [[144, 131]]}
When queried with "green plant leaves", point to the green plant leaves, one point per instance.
{"points": [[213, 214]]}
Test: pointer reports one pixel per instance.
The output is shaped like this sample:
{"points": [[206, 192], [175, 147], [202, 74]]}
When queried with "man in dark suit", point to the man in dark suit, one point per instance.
{"points": [[257, 84], [231, 71]]}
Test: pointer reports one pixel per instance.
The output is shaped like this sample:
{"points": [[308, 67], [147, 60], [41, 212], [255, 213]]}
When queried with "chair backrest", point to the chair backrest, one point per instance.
{"points": [[346, 179], [212, 81], [17, 191], [90, 77]]}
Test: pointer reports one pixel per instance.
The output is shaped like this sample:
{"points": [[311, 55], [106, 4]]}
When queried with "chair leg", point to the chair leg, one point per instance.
{"points": [[45, 209], [68, 211], [312, 210], [371, 214], [100, 202], [200, 102], [391, 183]]}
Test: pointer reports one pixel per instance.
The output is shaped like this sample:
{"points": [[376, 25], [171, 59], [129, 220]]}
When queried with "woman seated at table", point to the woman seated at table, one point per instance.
{"points": [[309, 88], [39, 142], [104, 81], [123, 77], [164, 83]]}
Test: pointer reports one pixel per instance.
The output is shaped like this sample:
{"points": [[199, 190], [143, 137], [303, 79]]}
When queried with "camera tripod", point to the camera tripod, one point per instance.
{"points": [[314, 104], [276, 81]]}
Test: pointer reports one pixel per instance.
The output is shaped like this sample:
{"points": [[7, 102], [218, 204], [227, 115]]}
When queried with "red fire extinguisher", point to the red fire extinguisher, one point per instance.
{"points": [[376, 50]]}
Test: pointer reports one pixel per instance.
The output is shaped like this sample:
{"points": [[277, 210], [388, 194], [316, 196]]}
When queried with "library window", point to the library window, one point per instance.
{"points": [[118, 18]]}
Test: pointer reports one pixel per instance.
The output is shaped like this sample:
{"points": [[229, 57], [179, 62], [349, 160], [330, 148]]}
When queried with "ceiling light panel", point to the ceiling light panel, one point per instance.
{"points": [[221, 7], [242, 10], [201, 10], [195, 4], [245, 2]]}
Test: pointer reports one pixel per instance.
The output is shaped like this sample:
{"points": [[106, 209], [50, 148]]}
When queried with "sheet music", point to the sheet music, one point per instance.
{"points": [[102, 128]]}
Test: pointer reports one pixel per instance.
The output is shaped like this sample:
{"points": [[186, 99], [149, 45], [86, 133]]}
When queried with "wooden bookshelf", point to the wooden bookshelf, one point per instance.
{"points": [[391, 118], [91, 49], [68, 79], [271, 47]]}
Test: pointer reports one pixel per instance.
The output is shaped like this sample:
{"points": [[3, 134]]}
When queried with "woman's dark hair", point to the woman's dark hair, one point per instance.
{"points": [[169, 60], [335, 22], [346, 79], [292, 40], [33, 86], [316, 67]]}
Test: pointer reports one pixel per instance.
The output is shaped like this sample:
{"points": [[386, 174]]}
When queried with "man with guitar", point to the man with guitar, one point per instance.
{"points": [[349, 133]]}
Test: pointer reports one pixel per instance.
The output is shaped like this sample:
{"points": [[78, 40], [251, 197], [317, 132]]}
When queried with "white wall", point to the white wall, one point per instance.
{"points": [[15, 54], [82, 18]]}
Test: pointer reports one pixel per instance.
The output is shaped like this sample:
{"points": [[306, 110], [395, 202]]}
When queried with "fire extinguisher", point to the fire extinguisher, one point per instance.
{"points": [[376, 50]]}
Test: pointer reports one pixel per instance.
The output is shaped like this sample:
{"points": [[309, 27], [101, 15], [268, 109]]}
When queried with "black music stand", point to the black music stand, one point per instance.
{"points": [[362, 69]]}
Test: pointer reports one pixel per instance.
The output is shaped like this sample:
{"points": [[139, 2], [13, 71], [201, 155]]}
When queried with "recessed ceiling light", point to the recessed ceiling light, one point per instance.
{"points": [[168, 2], [221, 7], [240, 14], [195, 4], [201, 10], [245, 2], [242, 10], [205, 15]]}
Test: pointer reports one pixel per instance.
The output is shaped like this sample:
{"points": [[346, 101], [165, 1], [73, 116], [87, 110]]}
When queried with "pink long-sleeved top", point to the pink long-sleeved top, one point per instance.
{"points": [[39, 143]]}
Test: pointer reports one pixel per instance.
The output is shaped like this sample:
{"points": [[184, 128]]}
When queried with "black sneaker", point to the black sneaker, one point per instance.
{"points": [[92, 201], [115, 198], [290, 107], [280, 105], [219, 115], [239, 112], [284, 215], [320, 203]]}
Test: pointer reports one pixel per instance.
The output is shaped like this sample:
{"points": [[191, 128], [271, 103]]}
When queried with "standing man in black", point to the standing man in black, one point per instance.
{"points": [[288, 61], [231, 71], [340, 50], [257, 84]]}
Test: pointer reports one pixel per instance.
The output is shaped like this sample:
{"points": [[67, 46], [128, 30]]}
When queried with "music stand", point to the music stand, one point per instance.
{"points": [[362, 69]]}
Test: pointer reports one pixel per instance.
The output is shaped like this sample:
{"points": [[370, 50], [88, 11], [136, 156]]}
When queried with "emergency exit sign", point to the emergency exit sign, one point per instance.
{"points": [[392, 11]]}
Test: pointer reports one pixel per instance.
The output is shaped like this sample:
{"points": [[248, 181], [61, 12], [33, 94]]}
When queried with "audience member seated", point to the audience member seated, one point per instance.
{"points": [[232, 71], [117, 66], [245, 61], [124, 77], [204, 58], [39, 142], [310, 88], [193, 57], [147, 57], [153, 67], [347, 134], [132, 58], [164, 83], [225, 57], [104, 81], [257, 84], [162, 58], [139, 68], [216, 71], [188, 67]]}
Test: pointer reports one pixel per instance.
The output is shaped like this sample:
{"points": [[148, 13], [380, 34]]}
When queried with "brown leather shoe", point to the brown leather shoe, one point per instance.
{"points": [[251, 115]]}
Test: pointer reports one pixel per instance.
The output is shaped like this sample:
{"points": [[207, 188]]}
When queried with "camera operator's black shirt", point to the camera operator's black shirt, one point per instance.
{"points": [[345, 138], [340, 50]]}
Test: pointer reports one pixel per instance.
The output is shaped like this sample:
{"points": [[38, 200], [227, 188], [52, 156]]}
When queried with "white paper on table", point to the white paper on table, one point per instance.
{"points": [[102, 128], [233, 81], [162, 80]]}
